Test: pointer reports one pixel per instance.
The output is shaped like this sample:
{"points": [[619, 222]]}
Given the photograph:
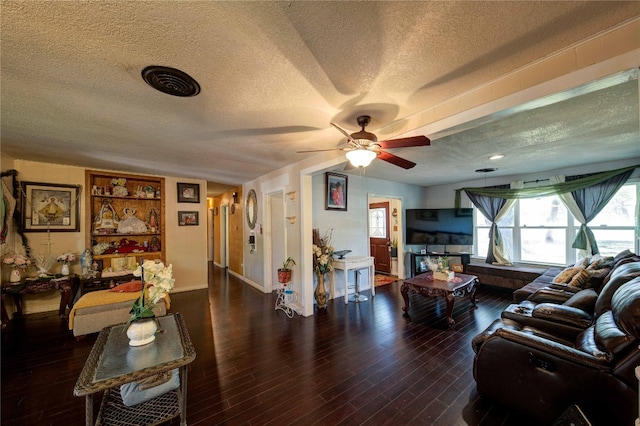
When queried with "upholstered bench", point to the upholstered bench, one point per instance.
{"points": [[99, 309]]}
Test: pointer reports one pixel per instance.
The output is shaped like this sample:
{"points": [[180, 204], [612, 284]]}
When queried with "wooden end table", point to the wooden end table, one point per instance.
{"points": [[64, 284], [425, 285], [112, 362]]}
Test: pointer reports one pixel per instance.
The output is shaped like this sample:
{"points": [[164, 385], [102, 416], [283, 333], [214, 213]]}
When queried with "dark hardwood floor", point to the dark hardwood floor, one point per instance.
{"points": [[365, 364]]}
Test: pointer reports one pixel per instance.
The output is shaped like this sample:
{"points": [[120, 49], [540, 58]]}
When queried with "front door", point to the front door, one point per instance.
{"points": [[379, 240]]}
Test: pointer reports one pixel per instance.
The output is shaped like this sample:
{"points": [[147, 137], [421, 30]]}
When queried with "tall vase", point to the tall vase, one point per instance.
{"points": [[320, 293], [65, 269], [16, 275], [141, 332]]}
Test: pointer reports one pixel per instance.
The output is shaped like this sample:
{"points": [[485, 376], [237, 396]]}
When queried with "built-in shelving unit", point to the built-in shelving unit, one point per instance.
{"points": [[125, 218]]}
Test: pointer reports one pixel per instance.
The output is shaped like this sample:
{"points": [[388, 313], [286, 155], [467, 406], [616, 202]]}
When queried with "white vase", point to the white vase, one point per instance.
{"points": [[65, 269], [16, 275], [141, 332]]}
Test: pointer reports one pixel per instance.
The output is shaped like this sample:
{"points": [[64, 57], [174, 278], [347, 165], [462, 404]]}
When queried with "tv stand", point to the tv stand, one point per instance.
{"points": [[465, 258]]}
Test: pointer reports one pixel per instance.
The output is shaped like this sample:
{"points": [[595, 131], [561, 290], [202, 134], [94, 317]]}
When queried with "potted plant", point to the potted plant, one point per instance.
{"points": [[284, 273], [394, 248]]}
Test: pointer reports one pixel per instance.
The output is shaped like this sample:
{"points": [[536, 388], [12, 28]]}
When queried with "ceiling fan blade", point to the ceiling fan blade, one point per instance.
{"points": [[344, 132], [405, 142], [395, 160]]}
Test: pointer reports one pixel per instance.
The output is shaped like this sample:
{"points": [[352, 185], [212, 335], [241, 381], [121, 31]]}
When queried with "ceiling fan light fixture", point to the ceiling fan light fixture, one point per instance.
{"points": [[361, 157], [496, 157]]}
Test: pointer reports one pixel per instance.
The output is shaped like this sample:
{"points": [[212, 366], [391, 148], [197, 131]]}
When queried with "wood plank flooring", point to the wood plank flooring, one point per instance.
{"points": [[364, 364]]}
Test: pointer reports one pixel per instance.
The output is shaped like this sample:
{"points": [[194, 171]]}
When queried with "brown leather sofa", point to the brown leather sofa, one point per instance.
{"points": [[582, 351]]}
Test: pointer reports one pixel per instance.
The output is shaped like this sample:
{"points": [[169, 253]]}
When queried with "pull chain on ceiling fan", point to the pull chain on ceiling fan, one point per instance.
{"points": [[363, 147]]}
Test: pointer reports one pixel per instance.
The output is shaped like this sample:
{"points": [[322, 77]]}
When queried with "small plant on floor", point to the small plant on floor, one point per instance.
{"points": [[284, 273]]}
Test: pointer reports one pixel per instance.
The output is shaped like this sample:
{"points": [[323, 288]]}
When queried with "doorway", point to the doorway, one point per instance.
{"points": [[379, 236], [224, 236], [276, 235]]}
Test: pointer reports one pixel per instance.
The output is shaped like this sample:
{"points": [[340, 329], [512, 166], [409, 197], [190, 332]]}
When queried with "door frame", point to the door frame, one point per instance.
{"points": [[394, 202]]}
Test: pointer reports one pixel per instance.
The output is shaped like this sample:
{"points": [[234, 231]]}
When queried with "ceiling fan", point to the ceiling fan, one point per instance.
{"points": [[362, 147]]}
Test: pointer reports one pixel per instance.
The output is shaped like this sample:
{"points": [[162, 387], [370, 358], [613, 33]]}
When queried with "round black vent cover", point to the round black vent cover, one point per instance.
{"points": [[170, 80]]}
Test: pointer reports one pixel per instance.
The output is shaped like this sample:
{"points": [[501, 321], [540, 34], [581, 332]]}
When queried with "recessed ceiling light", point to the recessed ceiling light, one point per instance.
{"points": [[486, 170], [496, 157]]}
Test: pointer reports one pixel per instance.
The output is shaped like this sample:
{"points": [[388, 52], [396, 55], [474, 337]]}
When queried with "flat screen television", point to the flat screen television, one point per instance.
{"points": [[439, 226]]}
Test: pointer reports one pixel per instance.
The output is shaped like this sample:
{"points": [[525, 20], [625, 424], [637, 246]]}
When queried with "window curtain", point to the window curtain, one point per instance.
{"points": [[585, 204], [494, 209]]}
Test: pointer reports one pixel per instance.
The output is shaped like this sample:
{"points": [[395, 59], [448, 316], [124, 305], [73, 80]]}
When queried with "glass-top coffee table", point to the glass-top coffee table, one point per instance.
{"points": [[112, 362], [425, 285]]}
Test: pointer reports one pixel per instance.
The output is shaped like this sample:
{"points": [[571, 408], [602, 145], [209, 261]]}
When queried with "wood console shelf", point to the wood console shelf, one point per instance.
{"points": [[125, 218]]}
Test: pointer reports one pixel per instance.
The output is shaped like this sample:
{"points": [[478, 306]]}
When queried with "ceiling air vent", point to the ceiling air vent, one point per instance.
{"points": [[170, 80]]}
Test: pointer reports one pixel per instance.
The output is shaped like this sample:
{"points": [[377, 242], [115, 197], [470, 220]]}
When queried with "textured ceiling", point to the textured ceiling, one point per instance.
{"points": [[274, 74]]}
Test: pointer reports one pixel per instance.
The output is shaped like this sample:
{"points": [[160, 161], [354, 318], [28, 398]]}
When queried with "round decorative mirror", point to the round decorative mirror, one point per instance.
{"points": [[252, 208]]}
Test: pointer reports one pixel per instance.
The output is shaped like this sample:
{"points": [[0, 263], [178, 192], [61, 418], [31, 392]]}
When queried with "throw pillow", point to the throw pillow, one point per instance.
{"points": [[133, 394], [130, 287], [581, 279], [566, 275]]}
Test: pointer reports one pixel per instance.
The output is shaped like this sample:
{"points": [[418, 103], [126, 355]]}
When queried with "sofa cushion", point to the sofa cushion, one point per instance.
{"points": [[625, 307], [584, 299], [609, 337], [618, 277]]}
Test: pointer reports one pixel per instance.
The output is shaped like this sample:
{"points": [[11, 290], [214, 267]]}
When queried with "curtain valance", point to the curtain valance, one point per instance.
{"points": [[545, 190]]}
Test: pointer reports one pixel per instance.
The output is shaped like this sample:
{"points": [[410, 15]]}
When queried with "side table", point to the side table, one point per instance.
{"points": [[64, 284], [353, 264], [112, 362]]}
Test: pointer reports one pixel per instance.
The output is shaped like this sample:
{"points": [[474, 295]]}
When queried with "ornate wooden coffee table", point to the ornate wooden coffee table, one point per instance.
{"points": [[425, 285]]}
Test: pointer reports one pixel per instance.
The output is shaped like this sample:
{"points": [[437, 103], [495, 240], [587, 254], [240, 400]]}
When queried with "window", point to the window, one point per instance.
{"points": [[378, 223], [541, 230]]}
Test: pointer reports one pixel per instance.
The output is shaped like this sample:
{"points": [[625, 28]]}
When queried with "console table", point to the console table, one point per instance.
{"points": [[353, 264], [38, 285], [464, 257], [112, 363]]}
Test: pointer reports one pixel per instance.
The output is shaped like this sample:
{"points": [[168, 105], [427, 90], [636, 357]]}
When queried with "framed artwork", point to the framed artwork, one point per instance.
{"points": [[336, 191], [188, 219], [188, 192], [50, 207]]}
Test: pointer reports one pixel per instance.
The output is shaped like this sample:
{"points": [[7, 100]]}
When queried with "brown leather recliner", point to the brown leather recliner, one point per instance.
{"points": [[541, 373], [575, 311]]}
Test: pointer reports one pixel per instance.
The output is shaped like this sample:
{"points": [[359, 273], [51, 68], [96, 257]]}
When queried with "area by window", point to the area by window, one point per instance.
{"points": [[541, 230]]}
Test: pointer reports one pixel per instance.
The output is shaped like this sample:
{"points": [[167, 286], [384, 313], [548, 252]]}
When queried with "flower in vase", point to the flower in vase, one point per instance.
{"points": [[16, 261], [322, 252], [66, 257], [157, 280]]}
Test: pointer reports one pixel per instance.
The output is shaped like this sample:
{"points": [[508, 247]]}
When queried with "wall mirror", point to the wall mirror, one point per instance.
{"points": [[252, 208]]}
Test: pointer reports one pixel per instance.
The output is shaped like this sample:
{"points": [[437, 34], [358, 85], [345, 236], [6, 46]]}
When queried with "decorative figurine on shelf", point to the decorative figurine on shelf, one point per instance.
{"points": [[86, 261], [152, 221], [131, 224], [107, 219], [155, 244]]}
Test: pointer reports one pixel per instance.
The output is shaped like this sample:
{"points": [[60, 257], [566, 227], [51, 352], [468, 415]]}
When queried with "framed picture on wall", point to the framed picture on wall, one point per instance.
{"points": [[336, 191], [50, 207], [188, 219], [188, 192]]}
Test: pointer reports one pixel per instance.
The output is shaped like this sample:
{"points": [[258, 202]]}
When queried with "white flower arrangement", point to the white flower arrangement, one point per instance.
{"points": [[16, 261], [66, 257], [158, 279]]}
